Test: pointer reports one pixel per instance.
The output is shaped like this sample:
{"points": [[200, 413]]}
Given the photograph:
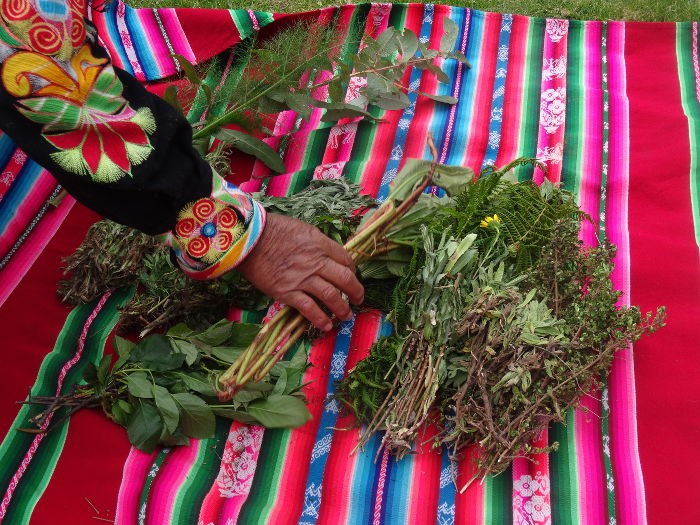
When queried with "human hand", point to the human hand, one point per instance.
{"points": [[294, 263]]}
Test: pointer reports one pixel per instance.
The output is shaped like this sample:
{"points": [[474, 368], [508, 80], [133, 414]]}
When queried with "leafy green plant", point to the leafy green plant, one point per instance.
{"points": [[162, 389], [300, 68]]}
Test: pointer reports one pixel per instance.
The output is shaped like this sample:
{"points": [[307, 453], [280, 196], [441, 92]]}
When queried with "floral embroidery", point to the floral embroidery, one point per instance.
{"points": [[531, 500], [239, 460], [76, 97]]}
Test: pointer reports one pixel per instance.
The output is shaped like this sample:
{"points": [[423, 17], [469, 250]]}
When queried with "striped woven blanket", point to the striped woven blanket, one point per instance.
{"points": [[613, 109]]}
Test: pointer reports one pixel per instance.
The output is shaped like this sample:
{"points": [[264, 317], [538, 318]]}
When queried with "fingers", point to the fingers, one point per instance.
{"points": [[307, 307], [336, 252], [329, 296], [344, 279]]}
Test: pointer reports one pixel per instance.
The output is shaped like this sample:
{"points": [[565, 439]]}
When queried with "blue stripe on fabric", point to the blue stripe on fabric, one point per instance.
{"points": [[139, 39], [397, 149], [499, 90], [457, 147], [398, 492], [7, 149], [448, 491], [22, 186], [324, 435], [113, 37], [363, 489]]}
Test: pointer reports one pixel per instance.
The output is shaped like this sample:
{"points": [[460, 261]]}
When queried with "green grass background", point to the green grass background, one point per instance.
{"points": [[647, 10]]}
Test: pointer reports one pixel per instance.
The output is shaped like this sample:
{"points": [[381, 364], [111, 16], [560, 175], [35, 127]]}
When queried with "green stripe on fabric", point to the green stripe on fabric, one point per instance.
{"points": [[532, 83], [498, 499], [181, 512], [243, 23], [691, 107], [562, 471], [148, 483], [266, 489], [16, 445], [189, 502], [575, 107]]}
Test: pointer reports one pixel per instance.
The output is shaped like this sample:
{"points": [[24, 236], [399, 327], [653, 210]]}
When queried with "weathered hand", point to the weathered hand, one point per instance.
{"points": [[294, 263]]}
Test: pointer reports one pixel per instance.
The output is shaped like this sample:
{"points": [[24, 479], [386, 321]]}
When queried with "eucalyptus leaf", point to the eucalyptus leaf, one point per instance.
{"points": [[337, 111], [253, 146], [449, 36], [391, 100], [408, 45], [188, 68]]}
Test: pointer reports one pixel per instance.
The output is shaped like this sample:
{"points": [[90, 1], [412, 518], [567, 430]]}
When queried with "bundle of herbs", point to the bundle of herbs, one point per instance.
{"points": [[503, 321], [162, 388]]}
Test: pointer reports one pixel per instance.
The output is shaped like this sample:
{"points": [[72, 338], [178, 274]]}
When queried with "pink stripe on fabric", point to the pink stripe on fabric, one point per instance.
{"points": [[29, 252], [696, 60], [136, 468], [26, 211], [161, 48], [456, 91], [590, 466], [381, 483], [513, 98], [550, 142], [176, 35], [426, 481], [531, 486], [171, 475], [630, 500], [470, 501], [59, 386]]}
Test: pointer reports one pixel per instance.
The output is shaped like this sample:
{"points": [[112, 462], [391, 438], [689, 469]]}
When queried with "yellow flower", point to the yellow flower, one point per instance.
{"points": [[490, 219]]}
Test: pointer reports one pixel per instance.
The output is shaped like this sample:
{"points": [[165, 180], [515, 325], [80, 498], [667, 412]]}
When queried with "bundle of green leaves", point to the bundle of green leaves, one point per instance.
{"points": [[162, 389], [503, 321]]}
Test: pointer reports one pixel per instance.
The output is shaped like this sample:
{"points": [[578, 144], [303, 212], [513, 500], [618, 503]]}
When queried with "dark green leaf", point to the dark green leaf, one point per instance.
{"points": [[122, 346], [458, 55], [174, 439], [281, 383], [207, 93], [199, 383], [196, 418], [227, 353], [90, 374], [170, 96], [144, 427], [139, 384], [336, 91], [253, 146], [279, 411], [236, 415], [270, 106], [179, 330], [103, 369], [188, 68], [156, 353], [300, 104], [387, 42], [167, 408], [245, 396], [242, 334], [187, 348]]}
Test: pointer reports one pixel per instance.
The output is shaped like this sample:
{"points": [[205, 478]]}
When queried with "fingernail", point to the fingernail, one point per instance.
{"points": [[327, 327]]}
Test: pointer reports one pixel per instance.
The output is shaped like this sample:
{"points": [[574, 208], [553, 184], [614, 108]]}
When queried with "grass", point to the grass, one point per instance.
{"points": [[646, 10]]}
